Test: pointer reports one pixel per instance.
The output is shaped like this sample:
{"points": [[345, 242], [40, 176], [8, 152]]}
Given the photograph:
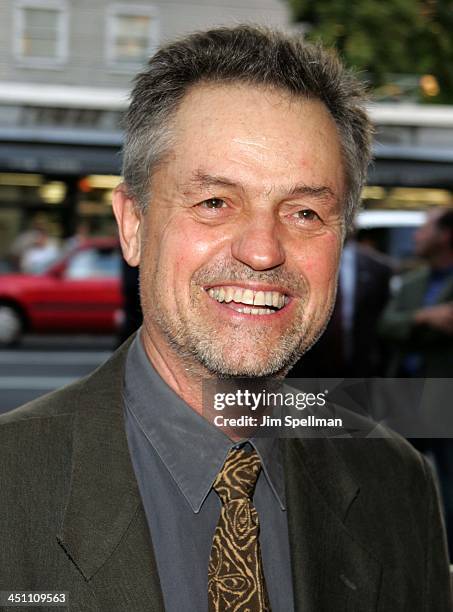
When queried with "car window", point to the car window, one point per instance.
{"points": [[93, 263]]}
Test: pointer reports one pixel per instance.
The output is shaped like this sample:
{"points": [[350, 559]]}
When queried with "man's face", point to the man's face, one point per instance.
{"points": [[242, 237], [429, 238]]}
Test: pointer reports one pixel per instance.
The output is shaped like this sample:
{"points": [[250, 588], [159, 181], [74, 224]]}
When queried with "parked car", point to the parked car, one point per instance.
{"points": [[81, 293]]}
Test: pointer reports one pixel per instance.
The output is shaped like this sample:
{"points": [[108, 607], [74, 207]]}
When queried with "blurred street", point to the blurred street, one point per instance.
{"points": [[44, 363]]}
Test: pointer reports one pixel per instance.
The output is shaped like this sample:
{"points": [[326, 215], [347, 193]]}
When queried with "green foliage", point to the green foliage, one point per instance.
{"points": [[389, 40]]}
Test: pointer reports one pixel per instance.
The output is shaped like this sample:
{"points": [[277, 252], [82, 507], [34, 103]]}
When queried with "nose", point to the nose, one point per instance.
{"points": [[257, 243]]}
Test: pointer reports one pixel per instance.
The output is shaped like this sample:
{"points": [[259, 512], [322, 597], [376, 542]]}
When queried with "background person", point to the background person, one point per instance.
{"points": [[42, 251], [418, 326], [350, 345], [418, 321]]}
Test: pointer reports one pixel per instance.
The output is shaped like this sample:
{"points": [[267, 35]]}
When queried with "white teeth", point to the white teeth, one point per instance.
{"points": [[244, 310], [238, 295], [260, 298], [255, 311], [251, 298], [246, 297], [229, 292]]}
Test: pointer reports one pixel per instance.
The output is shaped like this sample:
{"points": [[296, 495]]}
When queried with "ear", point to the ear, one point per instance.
{"points": [[128, 219]]}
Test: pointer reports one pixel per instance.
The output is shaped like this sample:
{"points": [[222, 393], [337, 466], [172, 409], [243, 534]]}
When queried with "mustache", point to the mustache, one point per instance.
{"points": [[233, 271]]}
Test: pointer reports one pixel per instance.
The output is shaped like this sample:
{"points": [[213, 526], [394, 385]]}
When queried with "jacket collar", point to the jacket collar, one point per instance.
{"points": [[104, 516]]}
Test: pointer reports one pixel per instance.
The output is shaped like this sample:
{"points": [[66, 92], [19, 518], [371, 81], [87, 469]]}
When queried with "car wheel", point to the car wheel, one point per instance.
{"points": [[11, 325]]}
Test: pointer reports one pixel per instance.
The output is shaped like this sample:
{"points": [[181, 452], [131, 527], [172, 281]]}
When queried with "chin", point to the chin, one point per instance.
{"points": [[241, 372], [228, 366]]}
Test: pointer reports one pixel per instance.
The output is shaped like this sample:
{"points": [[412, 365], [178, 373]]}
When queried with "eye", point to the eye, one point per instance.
{"points": [[213, 204], [307, 214]]}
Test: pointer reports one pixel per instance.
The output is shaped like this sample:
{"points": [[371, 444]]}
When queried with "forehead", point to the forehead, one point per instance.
{"points": [[251, 128]]}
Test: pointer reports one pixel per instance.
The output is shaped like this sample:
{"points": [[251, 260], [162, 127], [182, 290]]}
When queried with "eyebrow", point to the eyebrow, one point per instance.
{"points": [[204, 180], [314, 191]]}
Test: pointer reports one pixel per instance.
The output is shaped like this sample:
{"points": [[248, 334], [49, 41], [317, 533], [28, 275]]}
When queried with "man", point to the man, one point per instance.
{"points": [[418, 321], [244, 157], [418, 325]]}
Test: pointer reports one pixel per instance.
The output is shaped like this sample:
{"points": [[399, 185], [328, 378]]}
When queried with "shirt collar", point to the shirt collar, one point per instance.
{"points": [[192, 449]]}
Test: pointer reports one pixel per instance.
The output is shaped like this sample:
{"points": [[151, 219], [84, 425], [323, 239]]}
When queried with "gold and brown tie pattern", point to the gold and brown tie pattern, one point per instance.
{"points": [[235, 577]]}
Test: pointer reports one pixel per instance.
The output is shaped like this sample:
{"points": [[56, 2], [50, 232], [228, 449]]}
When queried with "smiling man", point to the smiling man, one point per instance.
{"points": [[244, 159], [255, 184]]}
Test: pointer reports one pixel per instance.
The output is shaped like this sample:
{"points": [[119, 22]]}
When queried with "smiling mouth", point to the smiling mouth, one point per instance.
{"points": [[248, 301]]}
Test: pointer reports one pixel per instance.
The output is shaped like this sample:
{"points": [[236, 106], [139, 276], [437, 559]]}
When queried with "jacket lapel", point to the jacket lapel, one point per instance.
{"points": [[331, 568], [105, 534], [104, 529]]}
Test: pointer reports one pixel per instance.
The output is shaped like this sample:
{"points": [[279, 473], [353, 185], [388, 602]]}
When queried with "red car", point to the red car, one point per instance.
{"points": [[79, 293]]}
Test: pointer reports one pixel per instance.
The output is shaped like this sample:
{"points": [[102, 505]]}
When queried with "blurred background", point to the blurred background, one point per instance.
{"points": [[66, 297], [66, 70]]}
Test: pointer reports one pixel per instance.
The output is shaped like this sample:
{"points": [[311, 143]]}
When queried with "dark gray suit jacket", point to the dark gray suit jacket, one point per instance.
{"points": [[364, 523]]}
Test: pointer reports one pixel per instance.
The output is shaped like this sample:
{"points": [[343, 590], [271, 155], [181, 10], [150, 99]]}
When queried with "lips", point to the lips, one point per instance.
{"points": [[249, 301]]}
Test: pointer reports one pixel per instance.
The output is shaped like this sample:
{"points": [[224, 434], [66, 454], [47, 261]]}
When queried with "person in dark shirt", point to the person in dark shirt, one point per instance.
{"points": [[418, 321], [350, 345], [418, 326]]}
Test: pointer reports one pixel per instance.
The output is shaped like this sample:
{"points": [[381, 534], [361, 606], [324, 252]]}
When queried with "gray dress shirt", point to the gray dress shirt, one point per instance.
{"points": [[176, 455]]}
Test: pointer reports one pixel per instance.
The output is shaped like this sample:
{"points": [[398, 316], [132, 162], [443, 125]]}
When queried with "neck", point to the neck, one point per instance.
{"points": [[186, 380], [183, 378]]}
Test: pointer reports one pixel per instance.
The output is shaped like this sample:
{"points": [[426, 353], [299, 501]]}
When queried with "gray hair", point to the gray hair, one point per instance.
{"points": [[246, 54]]}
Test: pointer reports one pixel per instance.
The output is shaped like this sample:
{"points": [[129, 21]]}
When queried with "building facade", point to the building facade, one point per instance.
{"points": [[66, 70]]}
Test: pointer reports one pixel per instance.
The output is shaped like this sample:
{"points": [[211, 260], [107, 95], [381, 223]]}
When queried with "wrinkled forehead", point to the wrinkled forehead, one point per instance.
{"points": [[205, 96], [258, 125]]}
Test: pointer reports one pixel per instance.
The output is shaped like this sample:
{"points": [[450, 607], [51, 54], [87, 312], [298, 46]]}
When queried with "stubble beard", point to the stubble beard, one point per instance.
{"points": [[204, 348]]}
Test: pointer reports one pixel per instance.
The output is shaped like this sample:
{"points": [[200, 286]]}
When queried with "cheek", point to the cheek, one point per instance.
{"points": [[183, 248], [318, 261]]}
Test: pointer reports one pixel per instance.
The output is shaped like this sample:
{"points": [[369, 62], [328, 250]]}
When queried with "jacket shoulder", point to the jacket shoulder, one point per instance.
{"points": [[385, 452], [101, 386], [60, 402]]}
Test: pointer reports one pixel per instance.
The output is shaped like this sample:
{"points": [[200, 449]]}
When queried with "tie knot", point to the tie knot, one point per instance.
{"points": [[237, 478]]}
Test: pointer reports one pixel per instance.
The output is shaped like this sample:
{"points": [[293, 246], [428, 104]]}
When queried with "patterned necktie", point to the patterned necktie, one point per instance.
{"points": [[235, 577]]}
